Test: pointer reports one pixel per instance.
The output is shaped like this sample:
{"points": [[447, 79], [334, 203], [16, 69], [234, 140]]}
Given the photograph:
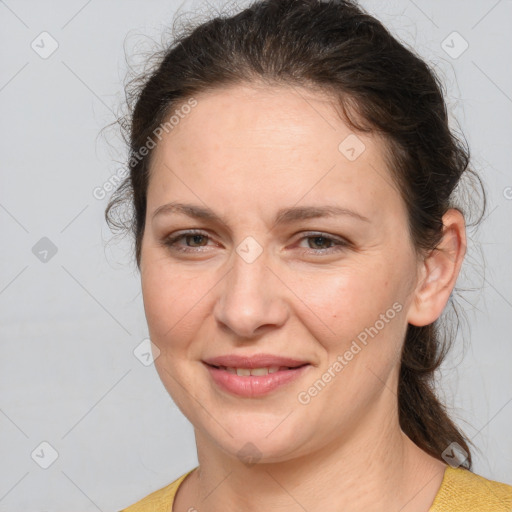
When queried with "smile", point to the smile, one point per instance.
{"points": [[245, 372], [254, 382]]}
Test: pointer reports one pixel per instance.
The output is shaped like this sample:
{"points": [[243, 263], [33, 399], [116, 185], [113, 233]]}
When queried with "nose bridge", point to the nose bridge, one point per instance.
{"points": [[250, 296]]}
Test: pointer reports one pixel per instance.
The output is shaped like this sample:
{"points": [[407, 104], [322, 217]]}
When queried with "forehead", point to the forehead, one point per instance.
{"points": [[249, 145]]}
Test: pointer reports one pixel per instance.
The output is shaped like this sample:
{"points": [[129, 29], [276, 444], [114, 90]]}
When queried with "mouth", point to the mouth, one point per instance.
{"points": [[256, 381], [256, 372], [254, 361]]}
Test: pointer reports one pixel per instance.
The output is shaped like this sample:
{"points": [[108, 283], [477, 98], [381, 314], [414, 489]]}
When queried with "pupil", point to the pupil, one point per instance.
{"points": [[196, 237], [317, 238]]}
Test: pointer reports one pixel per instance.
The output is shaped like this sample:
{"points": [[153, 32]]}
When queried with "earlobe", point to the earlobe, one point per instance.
{"points": [[439, 272]]}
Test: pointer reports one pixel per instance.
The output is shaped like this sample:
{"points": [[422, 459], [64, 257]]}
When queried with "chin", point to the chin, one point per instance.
{"points": [[253, 442]]}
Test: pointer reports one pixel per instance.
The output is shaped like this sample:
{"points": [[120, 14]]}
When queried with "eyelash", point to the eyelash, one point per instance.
{"points": [[340, 244]]}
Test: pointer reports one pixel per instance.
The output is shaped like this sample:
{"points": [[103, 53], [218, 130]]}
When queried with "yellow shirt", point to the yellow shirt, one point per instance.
{"points": [[460, 491]]}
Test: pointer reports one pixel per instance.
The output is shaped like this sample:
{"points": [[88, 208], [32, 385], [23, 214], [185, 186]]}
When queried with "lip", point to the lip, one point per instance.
{"points": [[254, 361], [252, 386]]}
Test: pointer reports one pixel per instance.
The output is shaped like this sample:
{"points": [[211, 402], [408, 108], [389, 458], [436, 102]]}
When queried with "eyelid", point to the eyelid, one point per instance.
{"points": [[339, 243], [169, 240], [336, 238]]}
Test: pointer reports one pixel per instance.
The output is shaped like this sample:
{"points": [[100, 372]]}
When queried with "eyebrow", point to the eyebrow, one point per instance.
{"points": [[284, 216]]}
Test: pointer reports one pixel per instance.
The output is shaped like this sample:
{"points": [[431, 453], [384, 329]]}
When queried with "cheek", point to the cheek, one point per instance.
{"points": [[156, 294], [170, 302], [166, 299], [174, 301], [359, 321], [346, 301]]}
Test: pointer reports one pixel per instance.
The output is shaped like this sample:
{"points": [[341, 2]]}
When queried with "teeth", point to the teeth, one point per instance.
{"points": [[259, 371], [245, 372]]}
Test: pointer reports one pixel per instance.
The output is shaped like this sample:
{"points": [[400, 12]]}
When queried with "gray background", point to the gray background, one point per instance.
{"points": [[70, 324]]}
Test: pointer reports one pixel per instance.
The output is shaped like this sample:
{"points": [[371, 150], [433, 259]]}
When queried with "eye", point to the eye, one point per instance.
{"points": [[321, 239], [197, 241]]}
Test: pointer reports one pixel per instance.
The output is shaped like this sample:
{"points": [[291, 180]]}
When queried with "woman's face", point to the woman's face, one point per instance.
{"points": [[268, 273]]}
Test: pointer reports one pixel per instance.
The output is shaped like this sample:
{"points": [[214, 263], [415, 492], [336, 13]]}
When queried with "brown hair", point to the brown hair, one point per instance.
{"points": [[381, 86]]}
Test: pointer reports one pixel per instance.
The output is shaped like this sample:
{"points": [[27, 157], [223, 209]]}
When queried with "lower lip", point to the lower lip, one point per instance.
{"points": [[251, 385]]}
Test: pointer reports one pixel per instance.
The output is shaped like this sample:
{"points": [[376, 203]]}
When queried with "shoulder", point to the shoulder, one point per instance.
{"points": [[160, 500], [464, 491]]}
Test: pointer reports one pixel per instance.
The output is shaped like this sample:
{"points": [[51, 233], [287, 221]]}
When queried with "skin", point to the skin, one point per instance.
{"points": [[245, 152]]}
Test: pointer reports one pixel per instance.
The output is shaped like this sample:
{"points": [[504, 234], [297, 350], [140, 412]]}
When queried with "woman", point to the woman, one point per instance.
{"points": [[291, 176]]}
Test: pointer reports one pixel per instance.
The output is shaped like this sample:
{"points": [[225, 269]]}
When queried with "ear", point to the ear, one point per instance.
{"points": [[439, 271]]}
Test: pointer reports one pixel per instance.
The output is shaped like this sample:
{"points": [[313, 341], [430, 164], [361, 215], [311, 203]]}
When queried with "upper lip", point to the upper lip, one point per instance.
{"points": [[254, 361]]}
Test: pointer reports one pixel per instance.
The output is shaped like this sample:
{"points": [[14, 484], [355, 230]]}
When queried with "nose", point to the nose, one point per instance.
{"points": [[252, 299]]}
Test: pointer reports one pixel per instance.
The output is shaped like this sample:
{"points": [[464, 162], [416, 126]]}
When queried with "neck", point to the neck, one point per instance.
{"points": [[375, 467]]}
